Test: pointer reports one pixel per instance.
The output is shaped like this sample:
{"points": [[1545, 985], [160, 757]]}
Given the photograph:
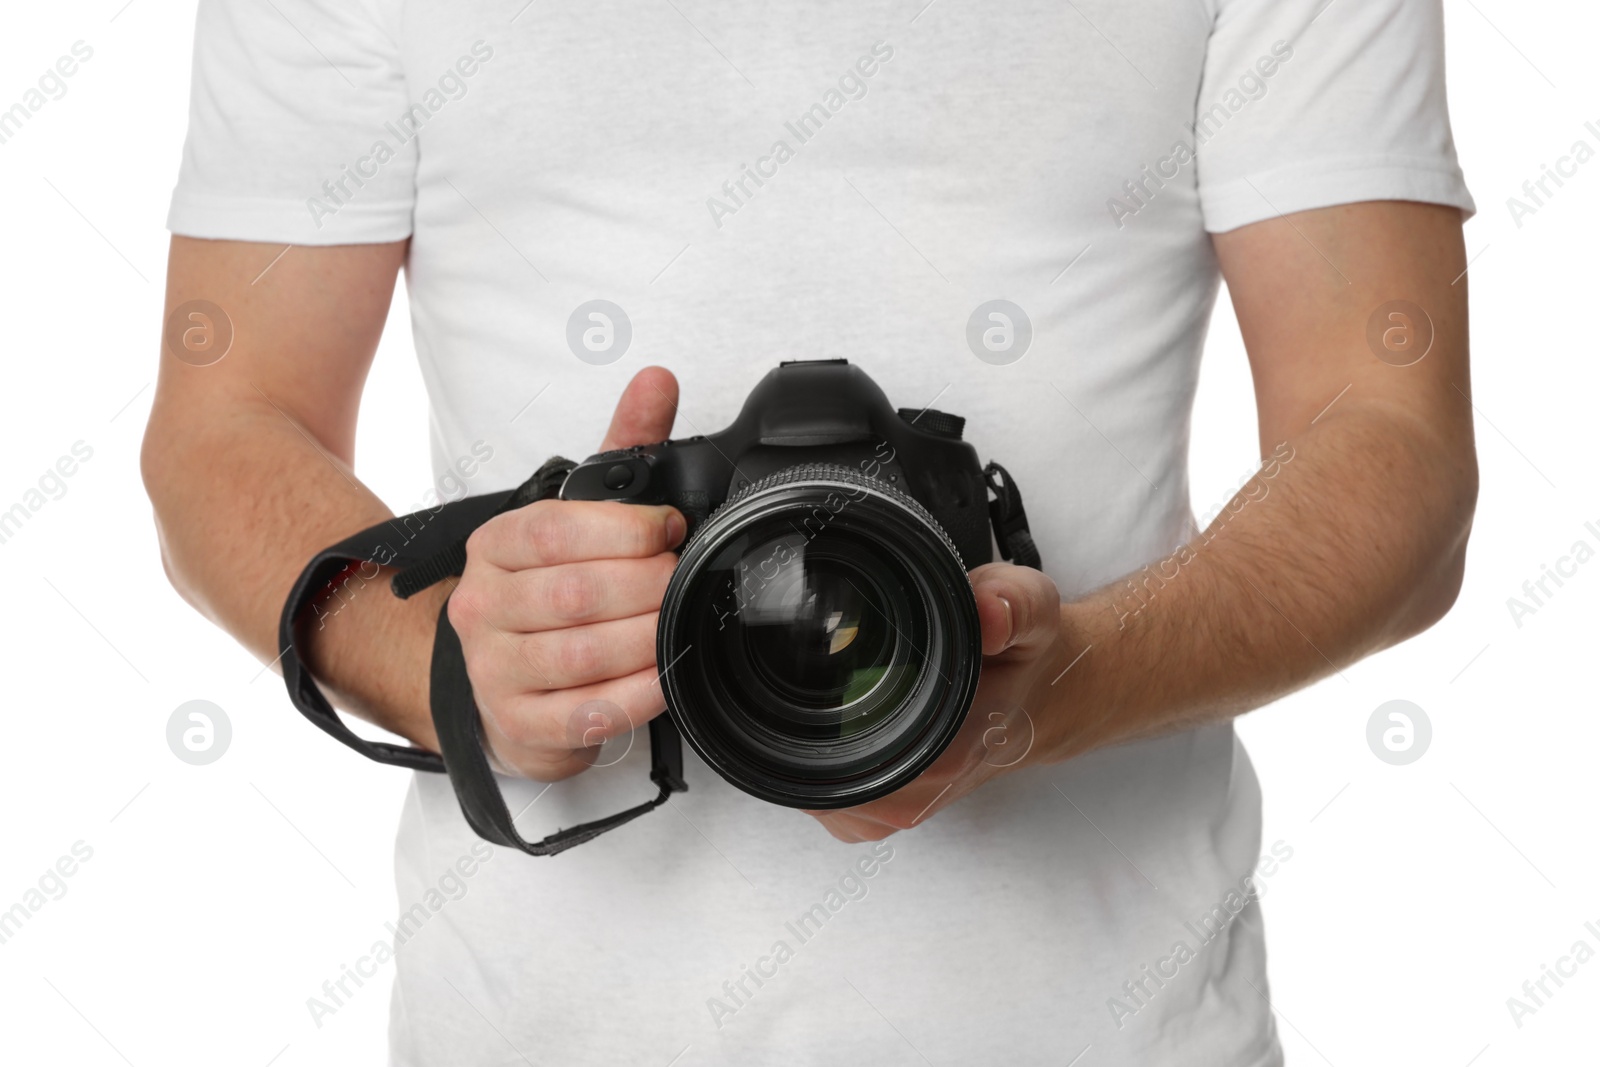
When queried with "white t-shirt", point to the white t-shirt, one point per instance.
{"points": [[750, 183]]}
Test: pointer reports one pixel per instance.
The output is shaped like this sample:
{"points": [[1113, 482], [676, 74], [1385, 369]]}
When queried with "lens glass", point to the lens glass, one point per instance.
{"points": [[818, 642], [816, 638]]}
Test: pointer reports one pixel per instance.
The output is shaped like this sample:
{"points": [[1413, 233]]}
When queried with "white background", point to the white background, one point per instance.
{"points": [[219, 898]]}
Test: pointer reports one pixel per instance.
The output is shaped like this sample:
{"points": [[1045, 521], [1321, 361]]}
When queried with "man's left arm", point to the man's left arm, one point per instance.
{"points": [[1351, 538]]}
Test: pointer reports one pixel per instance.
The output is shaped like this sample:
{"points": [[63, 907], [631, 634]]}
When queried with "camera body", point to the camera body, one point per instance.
{"points": [[825, 412], [818, 644]]}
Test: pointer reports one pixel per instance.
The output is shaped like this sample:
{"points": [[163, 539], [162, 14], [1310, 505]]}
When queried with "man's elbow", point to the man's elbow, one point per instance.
{"points": [[1437, 594], [161, 470], [1443, 559]]}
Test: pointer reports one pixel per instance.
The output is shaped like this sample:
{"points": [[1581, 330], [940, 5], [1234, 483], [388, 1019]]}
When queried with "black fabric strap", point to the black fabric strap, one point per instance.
{"points": [[450, 560], [460, 730], [349, 570], [429, 546], [1011, 531]]}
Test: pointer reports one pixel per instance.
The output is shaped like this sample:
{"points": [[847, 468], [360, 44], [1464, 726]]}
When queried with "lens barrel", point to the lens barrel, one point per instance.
{"points": [[819, 641]]}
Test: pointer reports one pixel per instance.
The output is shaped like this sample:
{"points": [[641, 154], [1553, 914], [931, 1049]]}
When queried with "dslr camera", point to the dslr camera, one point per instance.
{"points": [[818, 642]]}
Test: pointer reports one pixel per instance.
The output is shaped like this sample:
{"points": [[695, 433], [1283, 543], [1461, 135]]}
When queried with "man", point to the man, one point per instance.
{"points": [[748, 183]]}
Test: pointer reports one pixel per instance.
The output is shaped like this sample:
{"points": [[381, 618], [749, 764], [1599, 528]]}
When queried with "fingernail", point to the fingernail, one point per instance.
{"points": [[1011, 626], [676, 528]]}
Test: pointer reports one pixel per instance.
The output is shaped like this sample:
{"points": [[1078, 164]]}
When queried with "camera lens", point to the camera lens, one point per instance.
{"points": [[819, 640], [820, 645]]}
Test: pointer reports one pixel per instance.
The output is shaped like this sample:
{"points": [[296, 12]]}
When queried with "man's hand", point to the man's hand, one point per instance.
{"points": [[1023, 649], [557, 610]]}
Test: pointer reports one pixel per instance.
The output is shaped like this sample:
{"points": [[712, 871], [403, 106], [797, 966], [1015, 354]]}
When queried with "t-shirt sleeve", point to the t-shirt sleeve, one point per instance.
{"points": [[1312, 103], [297, 126]]}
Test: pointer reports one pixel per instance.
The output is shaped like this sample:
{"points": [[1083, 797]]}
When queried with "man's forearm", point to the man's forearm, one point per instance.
{"points": [[1351, 538], [242, 501]]}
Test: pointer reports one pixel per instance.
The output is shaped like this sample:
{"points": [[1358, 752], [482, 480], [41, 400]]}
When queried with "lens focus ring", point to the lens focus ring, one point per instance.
{"points": [[825, 473]]}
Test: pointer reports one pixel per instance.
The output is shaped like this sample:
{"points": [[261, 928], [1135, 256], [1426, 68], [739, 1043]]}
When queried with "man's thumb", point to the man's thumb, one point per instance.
{"points": [[645, 412], [1018, 607]]}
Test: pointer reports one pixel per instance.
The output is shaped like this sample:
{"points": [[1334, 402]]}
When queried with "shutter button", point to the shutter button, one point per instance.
{"points": [[619, 477]]}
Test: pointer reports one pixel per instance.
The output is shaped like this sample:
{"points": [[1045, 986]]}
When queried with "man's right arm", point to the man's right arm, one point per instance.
{"points": [[249, 460]]}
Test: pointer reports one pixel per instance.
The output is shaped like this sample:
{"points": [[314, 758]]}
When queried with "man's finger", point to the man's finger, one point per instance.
{"points": [[850, 828], [645, 412], [582, 717], [584, 655], [1018, 608], [571, 594], [548, 532]]}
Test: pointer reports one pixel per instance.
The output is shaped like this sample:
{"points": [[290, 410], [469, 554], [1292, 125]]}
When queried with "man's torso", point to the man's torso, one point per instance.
{"points": [[749, 185]]}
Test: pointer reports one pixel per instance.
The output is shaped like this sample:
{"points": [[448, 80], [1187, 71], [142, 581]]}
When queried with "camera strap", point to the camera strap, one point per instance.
{"points": [[1010, 522], [429, 546]]}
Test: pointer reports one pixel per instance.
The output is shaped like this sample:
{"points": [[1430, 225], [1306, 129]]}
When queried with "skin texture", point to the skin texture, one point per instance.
{"points": [[1351, 539]]}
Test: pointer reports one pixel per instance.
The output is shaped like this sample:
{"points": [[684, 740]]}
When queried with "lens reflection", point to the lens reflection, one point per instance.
{"points": [[817, 633], [816, 636]]}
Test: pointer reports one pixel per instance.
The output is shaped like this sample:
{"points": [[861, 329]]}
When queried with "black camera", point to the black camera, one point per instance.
{"points": [[819, 642]]}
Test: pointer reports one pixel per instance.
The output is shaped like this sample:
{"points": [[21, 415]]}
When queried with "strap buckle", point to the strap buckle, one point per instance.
{"points": [[1010, 521]]}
